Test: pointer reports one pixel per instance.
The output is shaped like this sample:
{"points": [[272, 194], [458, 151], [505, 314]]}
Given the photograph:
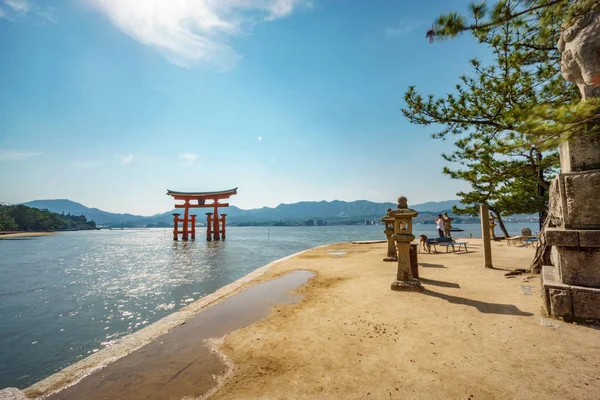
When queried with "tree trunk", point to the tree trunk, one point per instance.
{"points": [[500, 223], [542, 252]]}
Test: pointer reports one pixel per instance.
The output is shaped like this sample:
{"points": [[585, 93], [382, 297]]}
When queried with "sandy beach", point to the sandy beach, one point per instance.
{"points": [[24, 234], [473, 334]]}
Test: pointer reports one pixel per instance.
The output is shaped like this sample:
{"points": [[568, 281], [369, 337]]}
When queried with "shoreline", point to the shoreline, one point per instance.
{"points": [[25, 234], [350, 336], [74, 373]]}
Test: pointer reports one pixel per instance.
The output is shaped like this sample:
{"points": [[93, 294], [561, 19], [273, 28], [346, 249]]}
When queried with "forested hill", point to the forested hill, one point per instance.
{"points": [[25, 218], [71, 207], [334, 211]]}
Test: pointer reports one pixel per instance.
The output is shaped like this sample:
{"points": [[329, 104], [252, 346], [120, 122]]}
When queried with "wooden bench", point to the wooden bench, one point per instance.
{"points": [[531, 241], [514, 240], [452, 244], [435, 241], [461, 244], [447, 245]]}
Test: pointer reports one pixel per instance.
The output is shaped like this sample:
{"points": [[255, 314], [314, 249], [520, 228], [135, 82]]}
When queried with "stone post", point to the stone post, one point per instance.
{"points": [[484, 211], [492, 226], [388, 222], [571, 287], [405, 280], [414, 261]]}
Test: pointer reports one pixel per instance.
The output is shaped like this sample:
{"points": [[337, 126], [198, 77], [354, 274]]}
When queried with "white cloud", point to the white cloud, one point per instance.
{"points": [[18, 9], [18, 6], [14, 155], [47, 14], [259, 138], [403, 28], [189, 157], [192, 33], [124, 158]]}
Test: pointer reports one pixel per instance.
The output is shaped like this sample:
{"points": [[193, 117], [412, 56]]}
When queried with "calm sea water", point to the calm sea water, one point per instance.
{"points": [[66, 296]]}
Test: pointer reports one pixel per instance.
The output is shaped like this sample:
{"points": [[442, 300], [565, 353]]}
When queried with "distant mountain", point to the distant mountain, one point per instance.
{"points": [[304, 210], [92, 214], [437, 206]]}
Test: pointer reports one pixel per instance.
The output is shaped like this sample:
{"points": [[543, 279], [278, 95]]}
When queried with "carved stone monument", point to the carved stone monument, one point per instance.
{"points": [[403, 236], [571, 286], [388, 222]]}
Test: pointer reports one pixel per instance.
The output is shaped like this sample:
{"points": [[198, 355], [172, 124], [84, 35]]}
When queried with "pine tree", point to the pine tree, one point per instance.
{"points": [[541, 20], [501, 149]]}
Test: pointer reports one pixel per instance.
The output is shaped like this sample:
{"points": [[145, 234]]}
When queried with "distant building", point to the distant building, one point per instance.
{"points": [[321, 222], [309, 222]]}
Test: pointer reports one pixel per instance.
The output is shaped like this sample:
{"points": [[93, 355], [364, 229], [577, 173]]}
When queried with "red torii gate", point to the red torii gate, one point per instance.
{"points": [[215, 224]]}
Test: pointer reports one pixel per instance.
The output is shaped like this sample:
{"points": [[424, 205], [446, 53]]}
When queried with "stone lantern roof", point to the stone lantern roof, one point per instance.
{"points": [[403, 210], [387, 217]]}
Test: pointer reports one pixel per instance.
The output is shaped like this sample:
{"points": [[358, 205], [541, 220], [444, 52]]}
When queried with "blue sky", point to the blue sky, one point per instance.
{"points": [[111, 102]]}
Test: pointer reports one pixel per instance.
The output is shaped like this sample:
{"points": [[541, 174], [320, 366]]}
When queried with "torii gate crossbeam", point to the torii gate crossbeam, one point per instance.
{"points": [[215, 224]]}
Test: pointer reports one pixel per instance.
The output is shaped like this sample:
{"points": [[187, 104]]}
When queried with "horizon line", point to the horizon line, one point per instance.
{"points": [[243, 209]]}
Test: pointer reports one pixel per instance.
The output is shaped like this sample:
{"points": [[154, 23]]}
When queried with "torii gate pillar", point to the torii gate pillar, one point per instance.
{"points": [[209, 227], [223, 226], [193, 219], [176, 226]]}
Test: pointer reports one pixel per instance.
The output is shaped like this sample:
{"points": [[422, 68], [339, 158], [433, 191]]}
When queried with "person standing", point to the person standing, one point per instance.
{"points": [[440, 224], [447, 224]]}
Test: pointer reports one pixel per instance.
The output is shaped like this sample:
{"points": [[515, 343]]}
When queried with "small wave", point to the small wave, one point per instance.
{"points": [[165, 306]]}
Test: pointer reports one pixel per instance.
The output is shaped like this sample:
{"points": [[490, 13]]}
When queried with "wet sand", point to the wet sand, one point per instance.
{"points": [[74, 373], [18, 235], [181, 363]]}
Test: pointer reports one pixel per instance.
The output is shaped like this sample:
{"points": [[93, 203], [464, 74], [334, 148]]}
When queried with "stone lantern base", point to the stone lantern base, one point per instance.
{"points": [[391, 250], [412, 285]]}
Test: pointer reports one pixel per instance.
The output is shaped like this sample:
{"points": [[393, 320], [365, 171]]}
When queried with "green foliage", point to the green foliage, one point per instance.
{"points": [[7, 222], [507, 117], [483, 18], [553, 118], [516, 195], [25, 218]]}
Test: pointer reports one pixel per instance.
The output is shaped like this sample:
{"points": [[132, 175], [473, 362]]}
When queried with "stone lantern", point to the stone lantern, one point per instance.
{"points": [[403, 236], [388, 222]]}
